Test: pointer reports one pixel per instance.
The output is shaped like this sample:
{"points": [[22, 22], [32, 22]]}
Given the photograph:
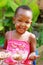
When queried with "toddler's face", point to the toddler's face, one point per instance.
{"points": [[23, 20]]}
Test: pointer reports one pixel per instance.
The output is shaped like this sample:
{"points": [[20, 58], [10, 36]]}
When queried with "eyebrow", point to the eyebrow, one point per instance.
{"points": [[23, 18]]}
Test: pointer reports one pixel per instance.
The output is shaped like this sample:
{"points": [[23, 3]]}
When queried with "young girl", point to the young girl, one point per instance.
{"points": [[21, 42]]}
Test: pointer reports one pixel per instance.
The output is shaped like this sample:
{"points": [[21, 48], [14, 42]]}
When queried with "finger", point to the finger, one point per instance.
{"points": [[38, 56]]}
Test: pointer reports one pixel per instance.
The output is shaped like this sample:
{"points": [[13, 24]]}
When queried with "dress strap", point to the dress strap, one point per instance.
{"points": [[11, 35]]}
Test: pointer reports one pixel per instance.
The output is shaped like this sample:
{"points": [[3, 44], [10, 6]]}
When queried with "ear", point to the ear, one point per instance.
{"points": [[13, 20], [31, 22]]}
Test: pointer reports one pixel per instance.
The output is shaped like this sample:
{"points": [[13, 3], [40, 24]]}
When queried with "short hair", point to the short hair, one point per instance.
{"points": [[23, 7]]}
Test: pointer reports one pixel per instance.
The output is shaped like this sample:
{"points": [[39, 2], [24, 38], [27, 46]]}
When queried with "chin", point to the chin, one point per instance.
{"points": [[21, 32]]}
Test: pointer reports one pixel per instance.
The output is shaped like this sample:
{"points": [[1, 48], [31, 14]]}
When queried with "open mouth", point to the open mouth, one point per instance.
{"points": [[22, 28]]}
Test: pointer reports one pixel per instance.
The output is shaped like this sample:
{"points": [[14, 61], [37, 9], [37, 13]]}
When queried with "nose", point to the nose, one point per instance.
{"points": [[23, 24]]}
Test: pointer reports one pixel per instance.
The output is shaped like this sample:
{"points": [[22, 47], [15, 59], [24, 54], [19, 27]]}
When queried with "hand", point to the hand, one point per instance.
{"points": [[4, 54], [17, 57], [33, 56]]}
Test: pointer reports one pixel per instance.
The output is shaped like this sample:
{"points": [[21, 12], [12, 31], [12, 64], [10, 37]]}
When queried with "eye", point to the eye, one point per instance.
{"points": [[19, 20], [27, 22]]}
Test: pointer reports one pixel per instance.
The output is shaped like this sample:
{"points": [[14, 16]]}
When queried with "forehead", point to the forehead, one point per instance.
{"points": [[25, 13]]}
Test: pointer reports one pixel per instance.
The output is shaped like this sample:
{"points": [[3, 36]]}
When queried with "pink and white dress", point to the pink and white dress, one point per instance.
{"points": [[18, 46]]}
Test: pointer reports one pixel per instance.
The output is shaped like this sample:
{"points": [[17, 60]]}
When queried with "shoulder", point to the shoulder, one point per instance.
{"points": [[32, 37], [9, 33]]}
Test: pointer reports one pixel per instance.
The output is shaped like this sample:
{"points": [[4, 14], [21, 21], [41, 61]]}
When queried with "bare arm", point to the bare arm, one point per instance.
{"points": [[32, 43], [33, 55], [5, 43]]}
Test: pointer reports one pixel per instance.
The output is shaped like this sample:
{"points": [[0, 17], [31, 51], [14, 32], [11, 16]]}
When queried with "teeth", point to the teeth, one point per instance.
{"points": [[22, 27]]}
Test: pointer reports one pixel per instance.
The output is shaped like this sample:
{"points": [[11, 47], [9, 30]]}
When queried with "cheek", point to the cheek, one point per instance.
{"points": [[28, 25], [17, 24]]}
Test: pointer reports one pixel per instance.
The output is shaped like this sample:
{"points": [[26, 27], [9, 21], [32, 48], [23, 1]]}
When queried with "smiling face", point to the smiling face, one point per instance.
{"points": [[23, 20]]}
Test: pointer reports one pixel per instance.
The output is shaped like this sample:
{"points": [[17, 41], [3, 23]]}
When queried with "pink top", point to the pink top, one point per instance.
{"points": [[18, 46]]}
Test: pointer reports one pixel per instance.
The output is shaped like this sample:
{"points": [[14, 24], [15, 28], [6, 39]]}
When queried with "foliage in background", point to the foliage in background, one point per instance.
{"points": [[7, 9], [40, 38], [38, 28]]}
